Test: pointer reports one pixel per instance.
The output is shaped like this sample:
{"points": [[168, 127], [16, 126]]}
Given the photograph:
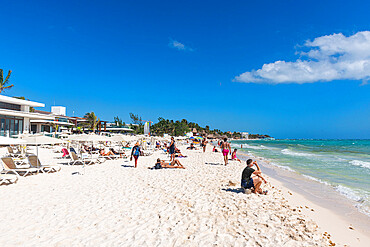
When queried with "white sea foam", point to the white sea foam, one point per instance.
{"points": [[292, 153], [362, 204], [315, 179], [349, 193], [360, 163], [287, 168]]}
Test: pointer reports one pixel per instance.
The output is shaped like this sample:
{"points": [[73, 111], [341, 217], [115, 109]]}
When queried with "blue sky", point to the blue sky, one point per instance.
{"points": [[211, 62]]}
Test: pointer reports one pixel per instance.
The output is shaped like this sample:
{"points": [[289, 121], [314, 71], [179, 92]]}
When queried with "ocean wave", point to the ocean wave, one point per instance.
{"points": [[362, 203], [361, 163], [349, 193], [255, 147], [287, 168], [315, 179], [292, 153]]}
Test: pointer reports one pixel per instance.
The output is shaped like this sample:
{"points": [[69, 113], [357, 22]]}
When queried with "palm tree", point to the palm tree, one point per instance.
{"points": [[92, 120], [55, 127], [4, 82]]}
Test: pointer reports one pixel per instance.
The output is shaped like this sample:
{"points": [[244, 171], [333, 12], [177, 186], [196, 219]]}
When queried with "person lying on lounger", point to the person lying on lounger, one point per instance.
{"points": [[102, 153], [162, 164]]}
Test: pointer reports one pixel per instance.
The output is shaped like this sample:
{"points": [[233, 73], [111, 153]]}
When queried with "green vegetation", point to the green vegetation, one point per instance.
{"points": [[258, 136], [118, 122], [4, 82], [92, 120], [180, 128], [137, 124]]}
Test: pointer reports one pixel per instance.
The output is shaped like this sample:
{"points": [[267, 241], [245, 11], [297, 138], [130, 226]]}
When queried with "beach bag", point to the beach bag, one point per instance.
{"points": [[137, 151], [157, 166]]}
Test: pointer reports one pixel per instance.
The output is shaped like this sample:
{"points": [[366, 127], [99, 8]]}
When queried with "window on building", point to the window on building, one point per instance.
{"points": [[9, 106], [10, 125]]}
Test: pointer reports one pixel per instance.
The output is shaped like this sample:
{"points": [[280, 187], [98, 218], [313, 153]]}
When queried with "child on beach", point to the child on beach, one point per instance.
{"points": [[161, 164], [233, 156], [252, 178], [136, 153]]}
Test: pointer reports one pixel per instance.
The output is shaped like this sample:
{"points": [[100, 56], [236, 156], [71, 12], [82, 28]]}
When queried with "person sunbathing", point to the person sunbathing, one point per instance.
{"points": [[191, 147], [162, 164], [102, 153], [158, 145], [215, 149], [233, 156], [179, 154]]}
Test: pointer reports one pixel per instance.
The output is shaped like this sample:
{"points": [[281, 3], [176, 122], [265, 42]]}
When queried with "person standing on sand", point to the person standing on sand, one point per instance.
{"points": [[252, 178], [225, 147], [135, 152], [204, 144], [172, 149]]}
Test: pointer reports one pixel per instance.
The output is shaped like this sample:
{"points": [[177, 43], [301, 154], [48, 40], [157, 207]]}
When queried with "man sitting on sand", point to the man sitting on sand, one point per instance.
{"points": [[252, 178], [161, 164]]}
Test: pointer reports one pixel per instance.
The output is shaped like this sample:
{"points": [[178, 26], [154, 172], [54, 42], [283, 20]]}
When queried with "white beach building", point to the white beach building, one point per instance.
{"points": [[16, 115], [245, 135]]}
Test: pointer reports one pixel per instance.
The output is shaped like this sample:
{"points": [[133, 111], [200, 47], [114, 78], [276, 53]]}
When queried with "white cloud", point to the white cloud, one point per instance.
{"points": [[179, 46], [331, 57]]}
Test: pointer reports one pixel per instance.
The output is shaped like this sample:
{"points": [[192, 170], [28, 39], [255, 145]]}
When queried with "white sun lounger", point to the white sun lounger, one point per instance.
{"points": [[35, 163], [9, 166]]}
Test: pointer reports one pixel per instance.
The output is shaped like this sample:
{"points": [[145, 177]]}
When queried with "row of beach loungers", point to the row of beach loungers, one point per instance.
{"points": [[16, 165], [11, 171]]}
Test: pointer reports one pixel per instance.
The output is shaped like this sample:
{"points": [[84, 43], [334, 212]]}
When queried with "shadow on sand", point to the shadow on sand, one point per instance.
{"points": [[236, 190], [214, 164], [132, 166]]}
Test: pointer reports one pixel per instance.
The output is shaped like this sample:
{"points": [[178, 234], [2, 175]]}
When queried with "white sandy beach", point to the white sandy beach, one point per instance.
{"points": [[114, 204]]}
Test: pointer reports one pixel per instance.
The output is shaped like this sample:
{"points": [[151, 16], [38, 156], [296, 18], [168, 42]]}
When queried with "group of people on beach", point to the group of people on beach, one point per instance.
{"points": [[226, 150], [172, 150], [251, 178]]}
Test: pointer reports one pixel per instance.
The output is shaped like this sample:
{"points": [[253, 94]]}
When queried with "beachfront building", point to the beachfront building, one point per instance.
{"points": [[57, 119], [112, 127], [245, 135], [16, 115]]}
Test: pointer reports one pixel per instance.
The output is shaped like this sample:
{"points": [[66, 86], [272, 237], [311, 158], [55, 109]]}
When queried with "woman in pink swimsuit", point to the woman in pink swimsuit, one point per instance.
{"points": [[225, 146], [233, 156]]}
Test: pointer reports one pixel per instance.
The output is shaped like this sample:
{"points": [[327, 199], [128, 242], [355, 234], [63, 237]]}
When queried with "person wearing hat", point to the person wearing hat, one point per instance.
{"points": [[135, 152]]}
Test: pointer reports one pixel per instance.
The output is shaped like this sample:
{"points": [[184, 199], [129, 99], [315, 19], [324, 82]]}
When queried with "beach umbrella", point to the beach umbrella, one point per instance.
{"points": [[89, 138], [36, 140], [10, 141], [118, 138], [41, 140]]}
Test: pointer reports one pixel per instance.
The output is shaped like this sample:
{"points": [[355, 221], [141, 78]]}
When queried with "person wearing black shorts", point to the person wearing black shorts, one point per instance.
{"points": [[251, 178], [172, 149]]}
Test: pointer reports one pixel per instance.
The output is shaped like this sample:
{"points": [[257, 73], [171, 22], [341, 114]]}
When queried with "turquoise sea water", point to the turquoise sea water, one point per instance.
{"points": [[342, 164]]}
